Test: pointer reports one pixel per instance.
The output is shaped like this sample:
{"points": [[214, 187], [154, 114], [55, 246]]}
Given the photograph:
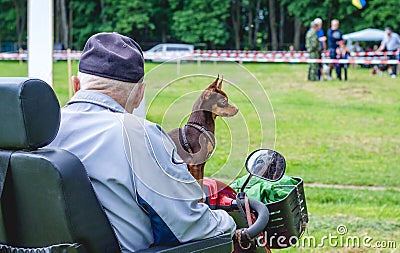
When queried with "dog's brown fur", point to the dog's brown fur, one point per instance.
{"points": [[211, 103]]}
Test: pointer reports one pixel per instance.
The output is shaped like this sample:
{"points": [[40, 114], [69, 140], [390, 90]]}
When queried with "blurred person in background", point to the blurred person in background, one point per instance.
{"points": [[356, 47], [322, 41], [390, 43], [314, 49], [342, 54], [334, 36]]}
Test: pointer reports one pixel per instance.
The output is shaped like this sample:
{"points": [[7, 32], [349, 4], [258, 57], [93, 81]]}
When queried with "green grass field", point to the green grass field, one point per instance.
{"points": [[342, 133]]}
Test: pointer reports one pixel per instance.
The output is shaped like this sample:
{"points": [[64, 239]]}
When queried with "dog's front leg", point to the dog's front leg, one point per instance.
{"points": [[197, 172]]}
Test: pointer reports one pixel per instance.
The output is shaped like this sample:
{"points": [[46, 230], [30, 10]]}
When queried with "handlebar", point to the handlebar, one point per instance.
{"points": [[262, 217], [259, 207]]}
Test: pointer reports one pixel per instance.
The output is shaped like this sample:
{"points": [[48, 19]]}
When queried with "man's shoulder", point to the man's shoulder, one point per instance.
{"points": [[131, 119], [71, 115], [386, 37], [141, 126], [310, 33]]}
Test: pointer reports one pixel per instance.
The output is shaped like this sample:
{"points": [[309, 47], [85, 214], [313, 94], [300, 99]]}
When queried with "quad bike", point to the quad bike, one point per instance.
{"points": [[48, 203]]}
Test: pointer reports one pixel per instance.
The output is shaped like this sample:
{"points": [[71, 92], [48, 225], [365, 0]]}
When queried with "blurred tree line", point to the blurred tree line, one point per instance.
{"points": [[210, 24]]}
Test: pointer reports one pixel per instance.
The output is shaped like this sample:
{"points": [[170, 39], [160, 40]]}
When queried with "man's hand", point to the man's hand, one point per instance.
{"points": [[380, 49]]}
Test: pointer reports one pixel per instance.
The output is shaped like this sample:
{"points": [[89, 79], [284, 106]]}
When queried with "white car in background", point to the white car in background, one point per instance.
{"points": [[168, 51]]}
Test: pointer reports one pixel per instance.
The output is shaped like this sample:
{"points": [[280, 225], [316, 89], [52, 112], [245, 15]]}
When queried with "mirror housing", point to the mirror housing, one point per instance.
{"points": [[267, 164]]}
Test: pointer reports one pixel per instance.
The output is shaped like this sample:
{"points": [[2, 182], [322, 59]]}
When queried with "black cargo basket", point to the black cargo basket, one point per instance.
{"points": [[288, 217]]}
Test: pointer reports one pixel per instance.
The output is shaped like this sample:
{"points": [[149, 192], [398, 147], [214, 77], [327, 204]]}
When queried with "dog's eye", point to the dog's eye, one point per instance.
{"points": [[223, 102]]}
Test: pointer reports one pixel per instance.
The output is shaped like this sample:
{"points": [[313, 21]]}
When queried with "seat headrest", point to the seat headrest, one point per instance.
{"points": [[29, 113]]}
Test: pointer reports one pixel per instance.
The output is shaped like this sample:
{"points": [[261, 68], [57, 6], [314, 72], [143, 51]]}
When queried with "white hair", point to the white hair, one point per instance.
{"points": [[89, 81], [123, 92], [313, 25], [318, 21]]}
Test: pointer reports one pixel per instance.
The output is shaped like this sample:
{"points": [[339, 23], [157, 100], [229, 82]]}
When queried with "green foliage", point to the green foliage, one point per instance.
{"points": [[7, 20], [342, 10], [161, 16], [128, 17], [204, 21], [125, 16], [200, 21], [379, 14], [13, 22], [302, 10], [376, 14], [86, 20]]}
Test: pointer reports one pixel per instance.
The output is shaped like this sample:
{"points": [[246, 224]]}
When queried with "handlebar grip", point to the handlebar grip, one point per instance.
{"points": [[262, 217]]}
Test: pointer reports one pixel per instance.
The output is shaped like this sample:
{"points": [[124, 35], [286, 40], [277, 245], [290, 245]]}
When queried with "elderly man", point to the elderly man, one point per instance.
{"points": [[147, 192], [322, 41], [391, 43], [314, 49], [320, 33]]}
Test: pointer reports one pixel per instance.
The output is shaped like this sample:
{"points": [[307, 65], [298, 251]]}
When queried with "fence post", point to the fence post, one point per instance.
{"points": [[20, 55], [70, 89], [40, 40], [178, 66]]}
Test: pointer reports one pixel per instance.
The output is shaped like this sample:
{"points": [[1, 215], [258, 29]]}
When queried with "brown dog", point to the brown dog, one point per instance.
{"points": [[195, 141]]}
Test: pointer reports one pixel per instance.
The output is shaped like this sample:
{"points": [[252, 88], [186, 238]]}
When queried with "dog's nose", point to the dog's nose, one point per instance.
{"points": [[235, 110]]}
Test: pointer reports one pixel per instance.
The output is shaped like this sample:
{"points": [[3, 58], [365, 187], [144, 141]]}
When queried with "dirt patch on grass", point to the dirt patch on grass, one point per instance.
{"points": [[357, 92], [360, 90]]}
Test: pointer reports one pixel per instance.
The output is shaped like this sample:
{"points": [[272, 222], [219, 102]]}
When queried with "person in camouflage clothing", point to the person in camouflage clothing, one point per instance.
{"points": [[314, 49]]}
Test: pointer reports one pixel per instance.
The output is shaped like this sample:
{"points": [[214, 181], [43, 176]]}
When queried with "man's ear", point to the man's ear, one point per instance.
{"points": [[139, 95], [135, 97], [76, 82]]}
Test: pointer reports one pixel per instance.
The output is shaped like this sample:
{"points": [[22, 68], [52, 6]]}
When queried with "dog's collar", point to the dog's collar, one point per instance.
{"points": [[198, 127], [184, 141], [203, 130]]}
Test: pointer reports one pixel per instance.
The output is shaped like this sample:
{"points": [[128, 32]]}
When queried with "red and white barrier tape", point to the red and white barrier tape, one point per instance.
{"points": [[233, 55], [285, 53], [373, 53], [328, 61], [57, 56]]}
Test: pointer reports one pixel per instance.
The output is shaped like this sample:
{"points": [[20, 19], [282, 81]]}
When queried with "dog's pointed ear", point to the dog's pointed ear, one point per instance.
{"points": [[214, 85], [219, 85]]}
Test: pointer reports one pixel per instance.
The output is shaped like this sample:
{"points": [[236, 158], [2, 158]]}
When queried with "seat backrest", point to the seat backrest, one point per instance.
{"points": [[47, 197]]}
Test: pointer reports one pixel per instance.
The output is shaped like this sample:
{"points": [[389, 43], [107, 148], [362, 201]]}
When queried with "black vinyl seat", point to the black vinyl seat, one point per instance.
{"points": [[47, 201], [47, 198]]}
